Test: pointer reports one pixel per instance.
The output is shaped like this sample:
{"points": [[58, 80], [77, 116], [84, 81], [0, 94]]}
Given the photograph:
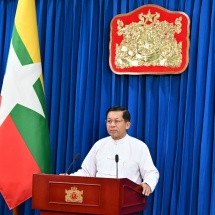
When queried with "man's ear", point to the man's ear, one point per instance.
{"points": [[128, 124]]}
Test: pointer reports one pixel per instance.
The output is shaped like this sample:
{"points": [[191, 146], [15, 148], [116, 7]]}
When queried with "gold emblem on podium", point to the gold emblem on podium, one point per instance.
{"points": [[74, 195]]}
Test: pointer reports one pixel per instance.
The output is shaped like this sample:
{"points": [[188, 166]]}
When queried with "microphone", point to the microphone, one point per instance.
{"points": [[117, 160], [76, 158]]}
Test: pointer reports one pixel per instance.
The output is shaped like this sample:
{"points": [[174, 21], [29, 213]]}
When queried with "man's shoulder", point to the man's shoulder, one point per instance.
{"points": [[103, 140], [136, 141], [101, 143]]}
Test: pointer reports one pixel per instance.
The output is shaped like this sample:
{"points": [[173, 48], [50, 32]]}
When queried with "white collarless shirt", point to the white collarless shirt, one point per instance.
{"points": [[135, 162]]}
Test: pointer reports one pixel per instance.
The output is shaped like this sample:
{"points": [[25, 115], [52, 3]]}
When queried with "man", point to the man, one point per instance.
{"points": [[135, 162]]}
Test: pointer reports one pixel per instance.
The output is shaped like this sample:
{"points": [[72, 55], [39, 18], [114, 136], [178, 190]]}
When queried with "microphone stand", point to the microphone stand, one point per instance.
{"points": [[76, 158], [117, 160]]}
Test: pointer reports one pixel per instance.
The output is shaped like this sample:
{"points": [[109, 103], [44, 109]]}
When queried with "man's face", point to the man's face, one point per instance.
{"points": [[116, 125]]}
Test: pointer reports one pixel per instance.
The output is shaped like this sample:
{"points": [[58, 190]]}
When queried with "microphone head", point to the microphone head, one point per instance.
{"points": [[77, 156], [117, 158]]}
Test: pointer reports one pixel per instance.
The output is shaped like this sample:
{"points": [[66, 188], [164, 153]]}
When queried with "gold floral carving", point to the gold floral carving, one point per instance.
{"points": [[149, 42], [74, 195]]}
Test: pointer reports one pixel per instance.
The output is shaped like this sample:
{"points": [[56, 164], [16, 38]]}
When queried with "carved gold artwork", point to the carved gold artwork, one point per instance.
{"points": [[155, 41], [74, 195]]}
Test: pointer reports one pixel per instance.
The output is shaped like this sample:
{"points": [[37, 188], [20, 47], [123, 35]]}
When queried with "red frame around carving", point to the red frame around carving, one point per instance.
{"points": [[165, 14]]}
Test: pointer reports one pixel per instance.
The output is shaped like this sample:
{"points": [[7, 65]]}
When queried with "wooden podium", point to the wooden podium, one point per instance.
{"points": [[65, 195]]}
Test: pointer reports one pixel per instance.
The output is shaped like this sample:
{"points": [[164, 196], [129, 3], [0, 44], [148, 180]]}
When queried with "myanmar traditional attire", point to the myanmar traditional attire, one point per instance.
{"points": [[135, 162]]}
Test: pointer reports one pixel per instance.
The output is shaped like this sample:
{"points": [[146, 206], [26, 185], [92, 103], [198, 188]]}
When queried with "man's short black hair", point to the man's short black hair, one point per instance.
{"points": [[126, 115]]}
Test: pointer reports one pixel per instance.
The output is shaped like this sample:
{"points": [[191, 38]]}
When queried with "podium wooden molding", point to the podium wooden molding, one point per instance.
{"points": [[74, 195]]}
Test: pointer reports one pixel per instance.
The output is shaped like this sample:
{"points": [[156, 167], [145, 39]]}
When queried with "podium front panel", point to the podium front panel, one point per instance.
{"points": [[60, 195], [90, 193]]}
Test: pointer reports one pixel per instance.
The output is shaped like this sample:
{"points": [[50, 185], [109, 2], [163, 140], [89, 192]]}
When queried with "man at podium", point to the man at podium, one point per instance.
{"points": [[120, 155]]}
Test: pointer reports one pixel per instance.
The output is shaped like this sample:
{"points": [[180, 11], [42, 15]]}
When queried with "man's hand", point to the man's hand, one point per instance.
{"points": [[146, 189]]}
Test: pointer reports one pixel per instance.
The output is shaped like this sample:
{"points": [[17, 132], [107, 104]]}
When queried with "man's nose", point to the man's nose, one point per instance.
{"points": [[113, 123]]}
